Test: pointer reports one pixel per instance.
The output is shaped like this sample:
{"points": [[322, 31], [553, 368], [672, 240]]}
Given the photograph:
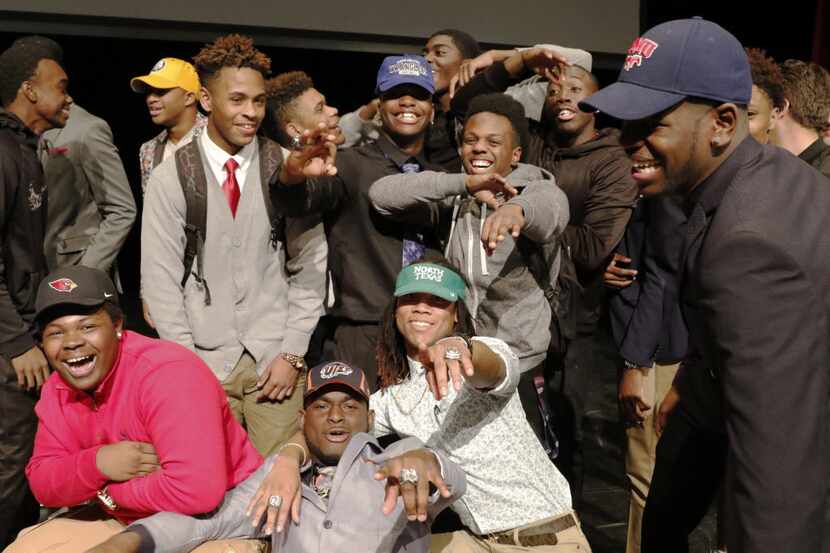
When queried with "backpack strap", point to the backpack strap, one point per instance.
{"points": [[192, 177], [270, 161]]}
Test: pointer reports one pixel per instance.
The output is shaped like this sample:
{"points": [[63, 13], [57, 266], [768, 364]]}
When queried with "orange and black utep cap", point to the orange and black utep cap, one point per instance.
{"points": [[74, 285], [339, 373]]}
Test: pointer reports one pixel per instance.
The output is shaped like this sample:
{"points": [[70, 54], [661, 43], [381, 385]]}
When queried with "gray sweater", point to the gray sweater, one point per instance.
{"points": [[504, 298], [263, 301]]}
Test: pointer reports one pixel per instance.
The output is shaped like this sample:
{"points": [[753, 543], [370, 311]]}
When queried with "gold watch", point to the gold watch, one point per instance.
{"points": [[296, 361]]}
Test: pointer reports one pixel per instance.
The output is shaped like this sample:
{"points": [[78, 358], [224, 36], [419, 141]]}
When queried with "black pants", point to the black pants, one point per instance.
{"points": [[356, 344], [18, 423], [687, 476]]}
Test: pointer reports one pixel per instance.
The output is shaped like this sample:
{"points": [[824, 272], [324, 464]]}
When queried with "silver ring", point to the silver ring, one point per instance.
{"points": [[452, 354], [409, 476], [275, 501]]}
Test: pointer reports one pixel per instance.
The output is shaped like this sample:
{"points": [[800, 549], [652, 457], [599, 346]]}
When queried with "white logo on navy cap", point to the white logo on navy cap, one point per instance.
{"points": [[408, 67]]}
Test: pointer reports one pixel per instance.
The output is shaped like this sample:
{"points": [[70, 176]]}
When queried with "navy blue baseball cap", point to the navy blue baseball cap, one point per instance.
{"points": [[671, 62], [408, 69]]}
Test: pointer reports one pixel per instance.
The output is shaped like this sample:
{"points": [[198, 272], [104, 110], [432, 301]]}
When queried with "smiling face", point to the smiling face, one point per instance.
{"points": [[167, 105], [406, 112], [489, 145], [668, 151], [762, 115], [330, 419], [82, 348], [445, 58], [422, 318], [308, 110], [561, 109], [235, 100], [47, 89]]}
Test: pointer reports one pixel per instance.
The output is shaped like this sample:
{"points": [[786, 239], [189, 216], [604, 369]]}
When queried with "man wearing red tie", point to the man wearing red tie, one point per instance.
{"points": [[223, 274]]}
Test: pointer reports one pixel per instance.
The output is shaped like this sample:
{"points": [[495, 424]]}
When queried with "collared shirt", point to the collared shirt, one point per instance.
{"points": [[817, 154], [510, 480], [147, 154], [216, 158], [156, 392], [364, 247]]}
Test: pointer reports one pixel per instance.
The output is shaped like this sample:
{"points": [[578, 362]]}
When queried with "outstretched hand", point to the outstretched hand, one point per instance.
{"points": [[282, 481], [313, 158], [440, 370], [545, 62], [415, 495], [490, 188], [508, 219], [468, 70]]}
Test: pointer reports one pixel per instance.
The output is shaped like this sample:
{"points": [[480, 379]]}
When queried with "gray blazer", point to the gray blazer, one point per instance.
{"points": [[352, 521], [91, 207]]}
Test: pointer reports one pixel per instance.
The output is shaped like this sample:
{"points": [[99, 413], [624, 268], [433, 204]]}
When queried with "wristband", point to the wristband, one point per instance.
{"points": [[298, 446]]}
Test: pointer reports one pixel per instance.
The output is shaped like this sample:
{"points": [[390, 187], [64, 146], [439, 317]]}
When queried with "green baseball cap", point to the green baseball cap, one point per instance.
{"points": [[431, 279]]}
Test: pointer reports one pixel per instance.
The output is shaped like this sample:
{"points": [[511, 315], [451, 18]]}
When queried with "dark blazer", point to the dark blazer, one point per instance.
{"points": [[756, 294], [91, 207], [645, 317]]}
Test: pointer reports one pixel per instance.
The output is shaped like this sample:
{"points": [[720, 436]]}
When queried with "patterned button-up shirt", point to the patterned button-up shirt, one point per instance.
{"points": [[510, 480], [151, 152]]}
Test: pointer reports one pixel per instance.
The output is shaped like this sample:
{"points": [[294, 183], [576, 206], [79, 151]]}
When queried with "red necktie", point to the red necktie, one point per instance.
{"points": [[230, 187]]}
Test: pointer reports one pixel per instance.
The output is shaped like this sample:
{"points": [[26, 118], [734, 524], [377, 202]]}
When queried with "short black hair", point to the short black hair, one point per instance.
{"points": [[18, 63], [502, 104], [466, 44], [281, 91], [230, 51], [766, 75]]}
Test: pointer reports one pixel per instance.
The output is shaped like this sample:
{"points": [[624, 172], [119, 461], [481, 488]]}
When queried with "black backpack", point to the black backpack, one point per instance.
{"points": [[192, 177]]}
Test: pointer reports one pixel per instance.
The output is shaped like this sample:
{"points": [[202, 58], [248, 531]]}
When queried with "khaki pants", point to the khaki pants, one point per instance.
{"points": [[269, 423], [570, 540], [641, 453], [85, 527]]}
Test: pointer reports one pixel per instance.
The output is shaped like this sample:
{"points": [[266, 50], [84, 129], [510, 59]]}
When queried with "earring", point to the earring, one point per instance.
{"points": [[118, 334]]}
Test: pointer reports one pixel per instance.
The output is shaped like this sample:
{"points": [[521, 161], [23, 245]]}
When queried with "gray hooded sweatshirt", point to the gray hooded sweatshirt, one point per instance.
{"points": [[504, 298]]}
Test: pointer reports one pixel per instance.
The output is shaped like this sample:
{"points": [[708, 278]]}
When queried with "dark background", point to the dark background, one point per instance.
{"points": [[101, 61]]}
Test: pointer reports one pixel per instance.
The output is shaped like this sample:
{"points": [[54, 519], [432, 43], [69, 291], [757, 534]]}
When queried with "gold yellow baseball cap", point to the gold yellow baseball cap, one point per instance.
{"points": [[168, 73]]}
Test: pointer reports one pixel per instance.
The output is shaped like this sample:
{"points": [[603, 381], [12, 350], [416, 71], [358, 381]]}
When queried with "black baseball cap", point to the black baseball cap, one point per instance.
{"points": [[336, 373], [674, 61], [74, 285]]}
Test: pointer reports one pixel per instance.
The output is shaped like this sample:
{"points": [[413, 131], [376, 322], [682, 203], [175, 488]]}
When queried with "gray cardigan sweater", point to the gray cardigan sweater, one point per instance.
{"points": [[504, 298], [263, 301]]}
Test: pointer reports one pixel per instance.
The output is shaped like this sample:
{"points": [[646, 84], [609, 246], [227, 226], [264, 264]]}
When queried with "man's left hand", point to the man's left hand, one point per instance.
{"points": [[415, 495], [277, 381], [509, 218]]}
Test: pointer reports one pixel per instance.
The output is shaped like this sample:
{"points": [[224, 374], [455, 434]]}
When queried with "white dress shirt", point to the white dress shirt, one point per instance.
{"points": [[216, 158]]}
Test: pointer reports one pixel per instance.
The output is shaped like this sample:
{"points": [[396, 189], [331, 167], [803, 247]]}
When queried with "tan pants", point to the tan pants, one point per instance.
{"points": [[642, 447], [570, 540], [86, 527], [269, 423]]}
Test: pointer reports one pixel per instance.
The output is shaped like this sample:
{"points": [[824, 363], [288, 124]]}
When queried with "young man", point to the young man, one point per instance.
{"points": [[295, 106], [592, 170], [257, 282], [752, 271], [171, 91], [768, 98], [33, 94], [805, 115], [91, 207], [502, 213], [458, 391], [128, 426], [350, 486], [365, 250]]}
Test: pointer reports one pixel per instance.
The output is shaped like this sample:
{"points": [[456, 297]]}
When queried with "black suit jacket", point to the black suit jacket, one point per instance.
{"points": [[756, 293], [645, 317]]}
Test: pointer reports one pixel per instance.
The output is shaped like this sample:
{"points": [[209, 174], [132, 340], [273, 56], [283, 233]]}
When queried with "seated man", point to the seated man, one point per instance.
{"points": [[139, 425], [343, 489], [458, 394]]}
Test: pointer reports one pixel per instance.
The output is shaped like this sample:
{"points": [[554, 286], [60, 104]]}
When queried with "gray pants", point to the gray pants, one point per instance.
{"points": [[174, 533]]}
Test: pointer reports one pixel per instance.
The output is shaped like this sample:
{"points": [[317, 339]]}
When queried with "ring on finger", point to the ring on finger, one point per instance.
{"points": [[452, 354], [409, 476], [275, 501]]}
